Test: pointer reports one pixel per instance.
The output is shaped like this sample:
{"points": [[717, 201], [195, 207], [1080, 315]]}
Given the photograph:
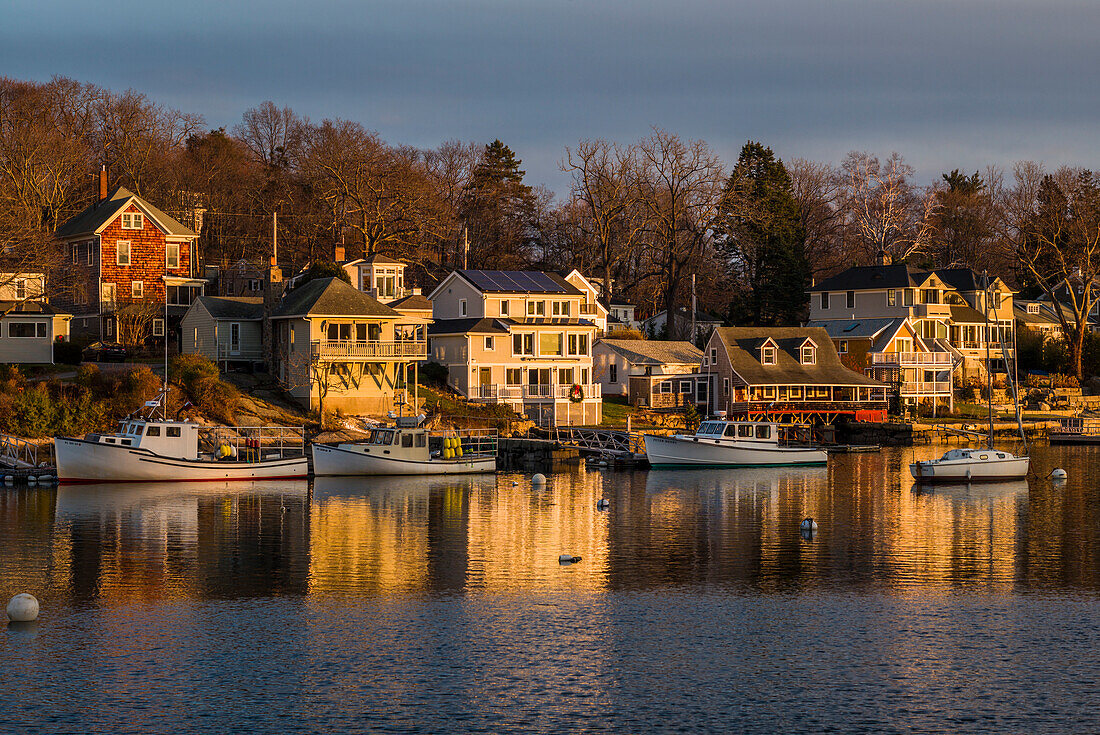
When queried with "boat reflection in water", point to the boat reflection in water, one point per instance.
{"points": [[977, 491], [94, 499], [757, 479]]}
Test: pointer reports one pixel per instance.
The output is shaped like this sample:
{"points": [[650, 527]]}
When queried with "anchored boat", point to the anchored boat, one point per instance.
{"points": [[151, 449], [409, 449], [721, 443]]}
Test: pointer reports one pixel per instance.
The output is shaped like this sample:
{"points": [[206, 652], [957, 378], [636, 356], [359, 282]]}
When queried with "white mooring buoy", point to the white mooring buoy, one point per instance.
{"points": [[808, 527], [538, 479], [1058, 474], [23, 608], [568, 559]]}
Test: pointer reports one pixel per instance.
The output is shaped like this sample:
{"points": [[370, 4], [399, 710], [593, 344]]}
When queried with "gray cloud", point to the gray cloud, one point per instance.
{"points": [[962, 83]]}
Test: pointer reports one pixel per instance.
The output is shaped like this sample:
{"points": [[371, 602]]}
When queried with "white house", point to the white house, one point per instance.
{"points": [[658, 374]]}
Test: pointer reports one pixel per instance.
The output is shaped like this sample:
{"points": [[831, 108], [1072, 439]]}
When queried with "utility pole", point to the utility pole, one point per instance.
{"points": [[274, 238], [465, 246], [693, 308]]}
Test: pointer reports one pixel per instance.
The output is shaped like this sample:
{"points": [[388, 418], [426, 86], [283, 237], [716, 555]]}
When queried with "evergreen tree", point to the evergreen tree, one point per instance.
{"points": [[964, 221], [760, 233], [498, 210]]}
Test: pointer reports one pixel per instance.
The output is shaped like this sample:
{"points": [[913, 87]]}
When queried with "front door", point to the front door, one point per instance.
{"points": [[485, 380], [234, 338], [538, 382]]}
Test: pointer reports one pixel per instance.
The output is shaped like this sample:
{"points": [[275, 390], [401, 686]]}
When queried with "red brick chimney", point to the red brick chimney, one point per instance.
{"points": [[102, 184], [338, 254]]}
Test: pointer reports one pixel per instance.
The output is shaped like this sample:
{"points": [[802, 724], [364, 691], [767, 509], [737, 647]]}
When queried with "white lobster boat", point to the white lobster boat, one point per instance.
{"points": [[721, 443], [409, 450], [972, 465], [159, 450]]}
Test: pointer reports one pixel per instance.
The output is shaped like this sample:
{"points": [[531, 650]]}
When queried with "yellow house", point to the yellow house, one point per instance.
{"points": [[523, 338], [336, 348], [29, 326]]}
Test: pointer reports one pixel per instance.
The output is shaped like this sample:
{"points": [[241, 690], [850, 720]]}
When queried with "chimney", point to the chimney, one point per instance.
{"points": [[883, 257], [102, 184], [338, 254]]}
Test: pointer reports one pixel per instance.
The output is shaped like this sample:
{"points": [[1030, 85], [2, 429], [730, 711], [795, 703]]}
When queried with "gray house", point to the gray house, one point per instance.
{"points": [[227, 329]]}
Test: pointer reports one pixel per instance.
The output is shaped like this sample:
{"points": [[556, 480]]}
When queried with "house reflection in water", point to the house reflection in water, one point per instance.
{"points": [[482, 534]]}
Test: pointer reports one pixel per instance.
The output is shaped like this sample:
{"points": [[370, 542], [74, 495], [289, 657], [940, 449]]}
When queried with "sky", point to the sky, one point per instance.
{"points": [[948, 84]]}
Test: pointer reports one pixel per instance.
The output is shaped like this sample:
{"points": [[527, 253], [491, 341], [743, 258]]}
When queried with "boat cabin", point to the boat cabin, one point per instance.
{"points": [[419, 444], [177, 439], [757, 432], [978, 455]]}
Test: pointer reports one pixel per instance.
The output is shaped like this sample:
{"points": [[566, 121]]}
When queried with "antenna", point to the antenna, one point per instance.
{"points": [[465, 246]]}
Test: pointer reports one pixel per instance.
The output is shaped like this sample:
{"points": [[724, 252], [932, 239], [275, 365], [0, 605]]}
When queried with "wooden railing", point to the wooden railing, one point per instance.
{"points": [[910, 358], [525, 392], [330, 349], [942, 387]]}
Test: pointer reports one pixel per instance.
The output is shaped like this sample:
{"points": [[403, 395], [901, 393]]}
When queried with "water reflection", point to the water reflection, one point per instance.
{"points": [[489, 534]]}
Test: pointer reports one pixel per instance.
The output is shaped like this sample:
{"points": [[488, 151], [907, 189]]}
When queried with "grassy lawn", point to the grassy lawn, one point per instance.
{"points": [[615, 411]]}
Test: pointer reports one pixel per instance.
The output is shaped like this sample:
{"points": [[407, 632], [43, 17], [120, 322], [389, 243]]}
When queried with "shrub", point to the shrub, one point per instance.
{"points": [[186, 370], [67, 353], [624, 333], [433, 373], [216, 399]]}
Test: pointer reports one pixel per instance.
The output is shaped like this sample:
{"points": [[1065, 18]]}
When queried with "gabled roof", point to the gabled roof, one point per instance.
{"points": [[887, 335], [742, 345], [414, 302], [466, 326], [381, 260], [655, 352], [872, 276], [96, 217], [331, 297], [30, 308], [966, 315], [245, 308]]}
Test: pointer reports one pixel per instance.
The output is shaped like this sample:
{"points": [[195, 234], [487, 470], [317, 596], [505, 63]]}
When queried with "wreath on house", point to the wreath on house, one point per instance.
{"points": [[576, 393]]}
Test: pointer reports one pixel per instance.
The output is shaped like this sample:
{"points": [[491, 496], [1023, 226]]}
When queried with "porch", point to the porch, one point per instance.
{"points": [[353, 350]]}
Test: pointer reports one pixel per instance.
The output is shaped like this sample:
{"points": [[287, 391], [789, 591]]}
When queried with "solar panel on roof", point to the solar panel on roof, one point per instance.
{"points": [[851, 327], [517, 281]]}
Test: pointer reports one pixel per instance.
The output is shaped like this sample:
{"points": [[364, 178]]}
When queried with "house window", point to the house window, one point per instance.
{"points": [[1032, 308], [891, 297], [550, 343], [536, 308], [172, 255], [907, 297], [133, 221], [850, 299], [255, 284], [27, 329], [158, 327], [462, 307], [513, 376], [808, 355], [110, 327], [767, 355], [842, 346], [726, 386], [613, 373], [713, 355], [582, 340], [504, 307], [123, 252], [665, 386], [20, 289], [76, 254], [137, 289], [685, 386], [90, 254], [488, 343], [523, 344], [825, 300]]}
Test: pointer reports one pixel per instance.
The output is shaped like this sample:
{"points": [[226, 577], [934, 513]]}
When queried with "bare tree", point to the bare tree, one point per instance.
{"points": [[680, 187], [887, 213], [274, 136]]}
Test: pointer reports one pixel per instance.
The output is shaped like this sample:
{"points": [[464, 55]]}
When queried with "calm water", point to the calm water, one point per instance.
{"points": [[439, 605]]}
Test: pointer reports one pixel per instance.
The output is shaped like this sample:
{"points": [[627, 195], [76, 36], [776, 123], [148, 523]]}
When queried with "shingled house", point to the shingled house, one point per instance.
{"points": [[788, 374], [227, 329], [125, 254], [653, 373], [335, 347]]}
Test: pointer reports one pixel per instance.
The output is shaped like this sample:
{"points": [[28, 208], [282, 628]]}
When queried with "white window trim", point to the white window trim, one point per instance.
{"points": [[133, 218], [167, 260], [137, 289], [488, 343], [158, 327], [462, 307], [118, 252]]}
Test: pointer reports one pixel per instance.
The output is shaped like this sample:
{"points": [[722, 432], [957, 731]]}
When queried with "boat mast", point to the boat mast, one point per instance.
{"points": [[988, 370]]}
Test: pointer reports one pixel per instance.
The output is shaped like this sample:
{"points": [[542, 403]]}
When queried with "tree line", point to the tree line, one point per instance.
{"points": [[651, 214]]}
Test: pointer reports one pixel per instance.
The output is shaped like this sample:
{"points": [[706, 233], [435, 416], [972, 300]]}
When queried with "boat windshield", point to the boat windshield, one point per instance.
{"points": [[381, 436]]}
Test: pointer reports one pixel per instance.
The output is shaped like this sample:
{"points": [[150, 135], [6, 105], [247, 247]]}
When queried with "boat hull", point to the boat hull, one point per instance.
{"points": [[666, 451], [997, 470], [348, 460], [90, 462]]}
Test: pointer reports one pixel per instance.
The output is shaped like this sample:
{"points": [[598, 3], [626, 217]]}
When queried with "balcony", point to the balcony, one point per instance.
{"points": [[506, 393], [910, 359], [922, 388], [351, 350]]}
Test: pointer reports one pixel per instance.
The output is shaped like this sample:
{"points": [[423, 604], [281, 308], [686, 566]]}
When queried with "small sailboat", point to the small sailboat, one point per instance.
{"points": [[980, 465], [152, 448], [721, 443], [409, 449]]}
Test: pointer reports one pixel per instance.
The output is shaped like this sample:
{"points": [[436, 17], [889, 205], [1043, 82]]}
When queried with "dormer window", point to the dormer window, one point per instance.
{"points": [[808, 354], [767, 354], [133, 221], [1032, 308]]}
